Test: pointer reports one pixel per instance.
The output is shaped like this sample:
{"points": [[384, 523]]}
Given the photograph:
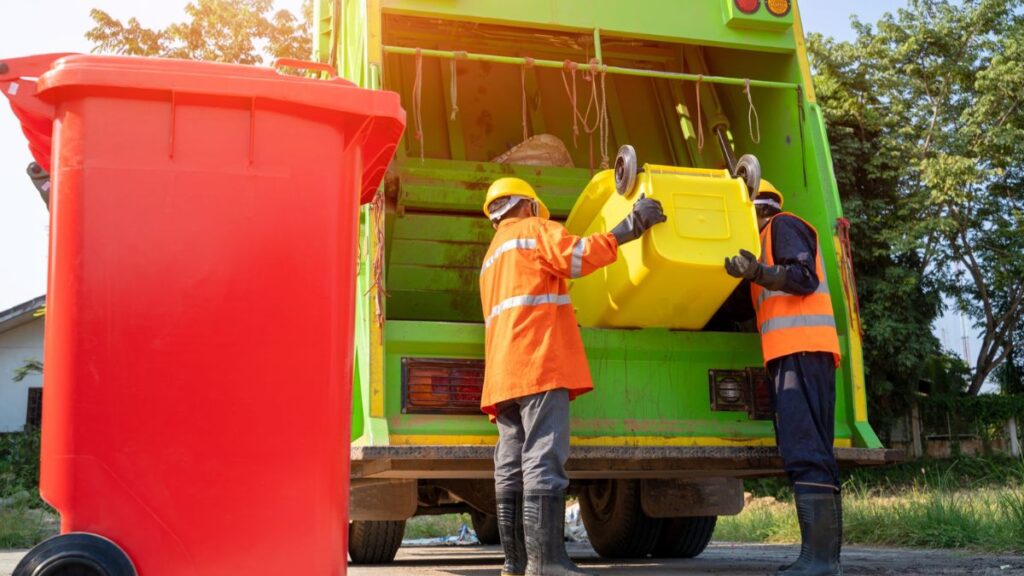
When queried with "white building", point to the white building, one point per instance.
{"points": [[21, 339]]}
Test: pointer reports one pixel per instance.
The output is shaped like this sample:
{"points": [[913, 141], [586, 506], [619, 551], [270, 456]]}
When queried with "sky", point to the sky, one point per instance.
{"points": [[59, 25]]}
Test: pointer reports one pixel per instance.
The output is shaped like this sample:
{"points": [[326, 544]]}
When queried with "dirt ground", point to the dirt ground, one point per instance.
{"points": [[719, 559]]}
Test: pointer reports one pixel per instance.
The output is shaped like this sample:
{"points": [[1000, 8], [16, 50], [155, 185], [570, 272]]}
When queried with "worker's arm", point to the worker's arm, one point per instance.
{"points": [[569, 256], [796, 253]]}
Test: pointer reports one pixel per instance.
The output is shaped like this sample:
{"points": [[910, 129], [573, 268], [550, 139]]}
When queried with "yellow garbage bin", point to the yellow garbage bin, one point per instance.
{"points": [[673, 277]]}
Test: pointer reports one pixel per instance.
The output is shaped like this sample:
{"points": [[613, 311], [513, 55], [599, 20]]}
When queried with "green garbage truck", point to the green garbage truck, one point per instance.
{"points": [[548, 90]]}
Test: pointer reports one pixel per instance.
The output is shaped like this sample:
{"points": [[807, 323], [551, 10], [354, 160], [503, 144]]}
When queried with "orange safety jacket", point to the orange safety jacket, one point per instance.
{"points": [[790, 323], [532, 340]]}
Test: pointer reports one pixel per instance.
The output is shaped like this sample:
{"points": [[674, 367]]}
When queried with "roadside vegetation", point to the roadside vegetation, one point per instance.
{"points": [[24, 518], [965, 503]]}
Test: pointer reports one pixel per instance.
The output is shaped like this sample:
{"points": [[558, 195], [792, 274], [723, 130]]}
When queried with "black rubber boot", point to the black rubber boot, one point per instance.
{"points": [[820, 517], [510, 528], [544, 515]]}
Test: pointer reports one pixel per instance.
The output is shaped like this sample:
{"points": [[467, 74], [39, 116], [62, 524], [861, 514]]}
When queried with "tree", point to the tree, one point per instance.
{"points": [[235, 31], [944, 81]]}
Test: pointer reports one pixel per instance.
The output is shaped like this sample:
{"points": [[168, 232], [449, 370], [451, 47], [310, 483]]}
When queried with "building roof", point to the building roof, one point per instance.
{"points": [[21, 314]]}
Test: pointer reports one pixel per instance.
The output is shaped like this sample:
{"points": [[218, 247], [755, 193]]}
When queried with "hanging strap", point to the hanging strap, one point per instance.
{"points": [[417, 100], [753, 122], [700, 119]]}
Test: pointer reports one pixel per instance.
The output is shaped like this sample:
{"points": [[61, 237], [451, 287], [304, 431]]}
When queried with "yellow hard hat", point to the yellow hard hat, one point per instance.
{"points": [[505, 187], [767, 187]]}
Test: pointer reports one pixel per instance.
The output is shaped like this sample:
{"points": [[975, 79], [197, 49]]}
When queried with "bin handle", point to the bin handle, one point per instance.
{"points": [[305, 65]]}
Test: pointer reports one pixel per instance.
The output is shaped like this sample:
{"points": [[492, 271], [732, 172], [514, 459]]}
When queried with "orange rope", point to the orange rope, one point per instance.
{"points": [[417, 100], [571, 67], [522, 77]]}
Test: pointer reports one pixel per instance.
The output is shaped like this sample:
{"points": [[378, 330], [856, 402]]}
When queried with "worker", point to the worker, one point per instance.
{"points": [[536, 364], [801, 352]]}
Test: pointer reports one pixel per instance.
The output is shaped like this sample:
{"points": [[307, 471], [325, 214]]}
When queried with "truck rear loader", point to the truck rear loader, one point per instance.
{"points": [[547, 91]]}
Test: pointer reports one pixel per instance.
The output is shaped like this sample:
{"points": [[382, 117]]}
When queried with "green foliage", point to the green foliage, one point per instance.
{"points": [[898, 342], [235, 31], [31, 366], [19, 463], [927, 125], [986, 409]]}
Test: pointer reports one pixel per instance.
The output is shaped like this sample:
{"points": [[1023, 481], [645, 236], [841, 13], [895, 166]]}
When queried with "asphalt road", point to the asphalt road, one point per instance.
{"points": [[719, 559]]}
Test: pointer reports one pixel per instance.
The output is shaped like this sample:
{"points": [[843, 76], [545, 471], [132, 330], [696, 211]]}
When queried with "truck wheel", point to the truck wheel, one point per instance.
{"points": [[615, 523], [684, 537], [486, 527], [374, 542], [75, 554]]}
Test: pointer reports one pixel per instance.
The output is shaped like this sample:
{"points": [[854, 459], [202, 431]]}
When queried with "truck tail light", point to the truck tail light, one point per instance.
{"points": [[748, 6], [779, 7], [441, 386], [742, 391]]}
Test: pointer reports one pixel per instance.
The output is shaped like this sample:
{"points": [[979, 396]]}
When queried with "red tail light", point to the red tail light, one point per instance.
{"points": [[761, 394], [779, 7], [748, 6], [441, 386]]}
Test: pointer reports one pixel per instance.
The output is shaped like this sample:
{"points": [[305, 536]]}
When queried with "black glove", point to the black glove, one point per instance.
{"points": [[646, 213], [746, 266]]}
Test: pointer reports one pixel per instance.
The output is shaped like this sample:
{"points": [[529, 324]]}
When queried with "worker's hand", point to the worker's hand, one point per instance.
{"points": [[646, 212], [649, 211], [744, 265]]}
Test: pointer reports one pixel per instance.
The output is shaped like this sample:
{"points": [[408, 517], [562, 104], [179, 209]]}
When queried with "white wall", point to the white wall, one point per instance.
{"points": [[16, 346]]}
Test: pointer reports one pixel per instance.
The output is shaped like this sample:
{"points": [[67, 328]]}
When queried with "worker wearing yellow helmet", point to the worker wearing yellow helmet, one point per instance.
{"points": [[801, 352], [535, 363]]}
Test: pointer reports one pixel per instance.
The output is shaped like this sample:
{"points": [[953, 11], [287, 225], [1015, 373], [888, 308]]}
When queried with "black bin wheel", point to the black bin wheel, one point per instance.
{"points": [[749, 169], [685, 537], [615, 522], [486, 527], [76, 554], [374, 541]]}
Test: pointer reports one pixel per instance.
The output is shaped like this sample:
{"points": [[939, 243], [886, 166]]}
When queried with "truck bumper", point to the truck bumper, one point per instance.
{"points": [[598, 462]]}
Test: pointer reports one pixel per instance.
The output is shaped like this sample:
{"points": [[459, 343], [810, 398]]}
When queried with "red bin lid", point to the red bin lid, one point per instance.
{"points": [[379, 134]]}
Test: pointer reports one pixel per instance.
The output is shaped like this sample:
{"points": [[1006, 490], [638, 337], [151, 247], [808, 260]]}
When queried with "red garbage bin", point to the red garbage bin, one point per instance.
{"points": [[199, 311]]}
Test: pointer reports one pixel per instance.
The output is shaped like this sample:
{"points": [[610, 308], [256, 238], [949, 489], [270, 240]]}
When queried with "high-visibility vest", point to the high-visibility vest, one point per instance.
{"points": [[532, 340], [790, 323]]}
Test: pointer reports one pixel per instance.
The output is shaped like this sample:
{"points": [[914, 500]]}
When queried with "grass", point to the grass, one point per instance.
{"points": [[24, 521], [972, 504], [435, 526]]}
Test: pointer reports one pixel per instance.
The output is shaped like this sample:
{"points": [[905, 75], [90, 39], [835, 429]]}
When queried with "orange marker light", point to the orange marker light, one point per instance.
{"points": [[779, 7]]}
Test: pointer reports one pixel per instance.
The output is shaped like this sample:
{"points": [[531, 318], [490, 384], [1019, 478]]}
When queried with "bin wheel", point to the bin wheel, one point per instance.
{"points": [[76, 554], [684, 537], [626, 169], [749, 169], [486, 527], [615, 522], [374, 541]]}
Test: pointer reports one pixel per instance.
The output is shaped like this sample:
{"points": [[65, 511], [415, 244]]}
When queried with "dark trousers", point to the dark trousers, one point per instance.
{"points": [[805, 406], [533, 444]]}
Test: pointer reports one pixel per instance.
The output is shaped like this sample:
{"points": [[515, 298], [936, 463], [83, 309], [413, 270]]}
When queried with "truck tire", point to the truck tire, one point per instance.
{"points": [[684, 537], [486, 527], [615, 522], [374, 542]]}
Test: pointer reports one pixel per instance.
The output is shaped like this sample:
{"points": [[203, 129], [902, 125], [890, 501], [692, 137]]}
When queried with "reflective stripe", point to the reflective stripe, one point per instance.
{"points": [[766, 294], [577, 258], [515, 244], [799, 321], [528, 300]]}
